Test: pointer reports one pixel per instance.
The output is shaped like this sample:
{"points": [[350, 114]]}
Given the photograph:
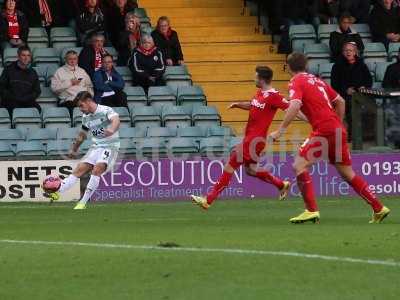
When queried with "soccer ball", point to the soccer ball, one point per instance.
{"points": [[52, 183]]}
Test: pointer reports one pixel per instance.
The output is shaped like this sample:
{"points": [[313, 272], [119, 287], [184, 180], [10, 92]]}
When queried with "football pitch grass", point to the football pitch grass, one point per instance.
{"points": [[236, 250]]}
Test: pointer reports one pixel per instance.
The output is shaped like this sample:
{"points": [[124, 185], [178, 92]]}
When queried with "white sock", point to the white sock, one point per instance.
{"points": [[90, 188], [68, 183]]}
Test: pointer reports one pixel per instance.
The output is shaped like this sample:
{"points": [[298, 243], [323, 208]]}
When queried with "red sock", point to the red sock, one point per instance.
{"points": [[219, 186], [304, 181], [268, 177], [361, 187]]}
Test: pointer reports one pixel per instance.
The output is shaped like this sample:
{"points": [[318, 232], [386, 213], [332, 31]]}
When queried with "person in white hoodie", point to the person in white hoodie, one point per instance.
{"points": [[69, 80]]}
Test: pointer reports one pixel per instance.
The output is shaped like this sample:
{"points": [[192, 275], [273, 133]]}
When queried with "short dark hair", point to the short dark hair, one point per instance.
{"points": [[265, 73], [83, 96], [108, 55], [22, 49], [70, 52], [297, 62]]}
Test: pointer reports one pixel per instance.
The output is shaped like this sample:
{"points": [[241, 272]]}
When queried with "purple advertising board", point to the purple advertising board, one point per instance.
{"points": [[166, 179]]}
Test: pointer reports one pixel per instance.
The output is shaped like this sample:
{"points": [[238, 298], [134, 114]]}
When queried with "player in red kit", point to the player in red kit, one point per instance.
{"points": [[325, 110], [262, 110]]}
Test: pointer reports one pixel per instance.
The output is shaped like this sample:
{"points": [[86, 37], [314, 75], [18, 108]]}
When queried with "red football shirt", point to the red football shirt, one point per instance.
{"points": [[13, 26], [263, 109], [317, 98]]}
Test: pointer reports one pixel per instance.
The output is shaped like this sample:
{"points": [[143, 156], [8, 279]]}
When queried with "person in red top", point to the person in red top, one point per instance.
{"points": [[14, 28], [324, 109], [262, 110]]}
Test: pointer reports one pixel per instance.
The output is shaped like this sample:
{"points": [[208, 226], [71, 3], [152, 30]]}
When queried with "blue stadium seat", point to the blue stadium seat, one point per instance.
{"points": [[324, 32], [12, 136], [182, 146], [324, 72], [24, 118], [380, 71], [375, 52], [176, 116], [205, 116], [317, 54], [176, 76], [67, 133], [5, 121], [145, 116], [132, 133], [234, 141], [393, 51], [301, 35], [126, 74], [152, 147], [364, 31], [42, 135], [46, 57], [58, 148], [84, 148], [213, 145], [62, 37], [9, 56], [135, 96], [76, 117], [161, 95], [219, 131], [124, 116], [47, 99], [31, 148], [195, 132], [127, 147], [56, 117], [37, 38], [6, 149], [160, 132], [192, 95]]}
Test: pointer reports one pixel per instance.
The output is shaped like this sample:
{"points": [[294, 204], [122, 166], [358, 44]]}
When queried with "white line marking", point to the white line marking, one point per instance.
{"points": [[390, 263]]}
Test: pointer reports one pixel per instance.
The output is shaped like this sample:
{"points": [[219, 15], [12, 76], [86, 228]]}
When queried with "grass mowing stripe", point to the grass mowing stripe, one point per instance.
{"points": [[210, 250]]}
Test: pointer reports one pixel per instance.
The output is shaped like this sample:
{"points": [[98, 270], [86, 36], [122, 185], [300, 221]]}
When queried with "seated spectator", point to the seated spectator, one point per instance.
{"points": [[349, 74], [39, 13], [391, 80], [147, 64], [385, 23], [325, 12], [129, 39], [344, 34], [91, 56], [14, 26], [90, 21], [69, 80], [109, 85], [167, 41], [116, 18], [359, 9], [19, 83]]}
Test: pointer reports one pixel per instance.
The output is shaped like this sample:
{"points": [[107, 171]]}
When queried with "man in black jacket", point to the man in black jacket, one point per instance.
{"points": [[91, 56], [19, 83], [90, 21], [385, 23], [391, 80]]}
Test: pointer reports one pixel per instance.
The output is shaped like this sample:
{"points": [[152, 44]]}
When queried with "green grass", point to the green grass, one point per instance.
{"points": [[81, 272]]}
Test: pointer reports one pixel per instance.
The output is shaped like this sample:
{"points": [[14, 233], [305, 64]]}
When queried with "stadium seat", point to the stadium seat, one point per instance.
{"points": [[5, 121], [152, 147], [24, 118], [132, 133], [195, 132], [31, 148], [234, 141], [371, 67], [213, 145], [141, 13], [66, 49], [47, 99], [219, 131], [193, 95], [324, 32], [6, 149], [205, 116], [51, 70], [126, 74], [76, 117], [41, 71], [9, 56], [37, 38], [160, 132], [364, 31], [112, 51], [135, 96], [324, 72], [124, 116], [46, 57], [393, 51], [127, 146], [182, 146], [375, 52], [317, 54], [42, 135], [380, 71], [56, 117], [301, 35], [58, 148], [176, 116], [62, 37], [67, 133], [161, 95], [12, 136], [145, 116], [176, 76]]}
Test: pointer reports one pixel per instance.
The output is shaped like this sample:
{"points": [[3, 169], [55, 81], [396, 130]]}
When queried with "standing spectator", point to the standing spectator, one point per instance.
{"points": [[69, 80], [116, 18], [167, 41], [91, 56], [344, 34], [19, 83], [147, 64], [14, 28], [357, 8], [348, 74], [325, 12], [129, 39], [90, 21], [109, 85], [39, 13], [385, 23]]}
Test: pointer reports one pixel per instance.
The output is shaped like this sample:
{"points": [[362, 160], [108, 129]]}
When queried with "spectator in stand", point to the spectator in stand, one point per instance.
{"points": [[359, 9], [116, 18], [349, 74], [129, 39], [91, 56], [344, 34], [167, 41], [391, 80], [385, 23], [14, 28], [109, 85], [325, 12], [69, 80], [39, 13], [147, 64], [19, 83], [90, 21]]}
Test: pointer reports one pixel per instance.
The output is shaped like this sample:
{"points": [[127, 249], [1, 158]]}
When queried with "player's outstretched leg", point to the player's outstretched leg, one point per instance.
{"points": [[360, 186], [304, 182], [92, 185]]}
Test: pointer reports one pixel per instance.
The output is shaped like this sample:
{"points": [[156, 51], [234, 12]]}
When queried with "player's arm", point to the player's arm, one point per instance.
{"points": [[114, 126], [241, 105], [339, 106], [291, 114], [82, 135], [302, 117]]}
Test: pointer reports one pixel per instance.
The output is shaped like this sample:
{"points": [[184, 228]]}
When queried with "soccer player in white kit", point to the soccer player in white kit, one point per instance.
{"points": [[103, 123]]}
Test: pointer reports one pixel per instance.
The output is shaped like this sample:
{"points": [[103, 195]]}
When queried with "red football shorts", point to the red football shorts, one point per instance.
{"points": [[247, 153], [332, 147]]}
